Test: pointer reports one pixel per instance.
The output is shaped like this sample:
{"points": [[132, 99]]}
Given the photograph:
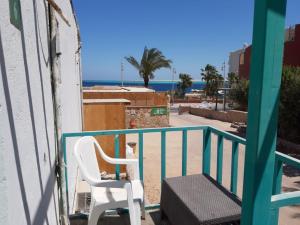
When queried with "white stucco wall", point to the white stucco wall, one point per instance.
{"points": [[28, 192]]}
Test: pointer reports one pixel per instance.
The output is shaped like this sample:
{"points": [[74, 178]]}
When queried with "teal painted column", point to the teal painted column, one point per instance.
{"points": [[206, 151], [265, 78], [117, 155], [163, 155], [277, 181], [220, 159], [141, 155], [234, 167], [184, 153]]}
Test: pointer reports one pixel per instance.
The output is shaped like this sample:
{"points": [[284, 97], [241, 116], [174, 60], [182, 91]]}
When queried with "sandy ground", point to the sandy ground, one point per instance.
{"points": [[152, 161]]}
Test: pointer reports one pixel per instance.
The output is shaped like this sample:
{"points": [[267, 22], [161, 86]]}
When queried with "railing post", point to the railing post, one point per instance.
{"points": [[277, 181], [234, 167], [220, 159], [141, 155], [264, 93], [184, 152], [206, 151], [117, 155], [163, 155], [64, 152]]}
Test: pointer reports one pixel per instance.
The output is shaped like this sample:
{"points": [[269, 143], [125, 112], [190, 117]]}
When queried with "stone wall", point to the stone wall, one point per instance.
{"points": [[228, 116], [143, 118]]}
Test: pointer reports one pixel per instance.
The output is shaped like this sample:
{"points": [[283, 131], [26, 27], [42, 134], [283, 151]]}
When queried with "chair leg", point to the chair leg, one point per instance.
{"points": [[134, 210], [143, 209], [95, 213], [137, 209], [143, 205]]}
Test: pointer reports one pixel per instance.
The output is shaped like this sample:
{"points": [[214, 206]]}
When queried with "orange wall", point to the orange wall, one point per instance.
{"points": [[106, 116]]}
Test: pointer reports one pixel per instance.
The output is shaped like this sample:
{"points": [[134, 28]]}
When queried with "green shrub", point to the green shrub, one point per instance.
{"points": [[289, 107], [239, 93]]}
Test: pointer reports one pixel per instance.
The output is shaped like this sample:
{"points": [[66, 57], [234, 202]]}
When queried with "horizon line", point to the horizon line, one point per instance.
{"points": [[197, 80]]}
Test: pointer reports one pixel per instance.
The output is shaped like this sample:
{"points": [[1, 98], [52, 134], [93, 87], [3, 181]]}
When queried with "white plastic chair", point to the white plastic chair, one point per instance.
{"points": [[109, 194]]}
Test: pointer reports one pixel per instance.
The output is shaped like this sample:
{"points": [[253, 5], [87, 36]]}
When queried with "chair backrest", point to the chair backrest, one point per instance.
{"points": [[86, 158]]}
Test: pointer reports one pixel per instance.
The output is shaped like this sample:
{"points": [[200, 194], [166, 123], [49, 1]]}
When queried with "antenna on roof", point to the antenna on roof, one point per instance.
{"points": [[122, 74], [172, 92]]}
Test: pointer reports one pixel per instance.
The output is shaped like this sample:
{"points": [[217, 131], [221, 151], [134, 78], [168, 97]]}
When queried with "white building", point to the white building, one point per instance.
{"points": [[234, 61], [28, 143]]}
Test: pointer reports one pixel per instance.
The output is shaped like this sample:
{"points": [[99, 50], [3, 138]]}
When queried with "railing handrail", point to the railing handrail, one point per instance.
{"points": [[291, 161], [133, 131], [285, 199], [227, 135]]}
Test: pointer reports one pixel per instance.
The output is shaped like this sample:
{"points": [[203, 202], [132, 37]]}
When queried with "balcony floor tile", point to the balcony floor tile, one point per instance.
{"points": [[152, 218]]}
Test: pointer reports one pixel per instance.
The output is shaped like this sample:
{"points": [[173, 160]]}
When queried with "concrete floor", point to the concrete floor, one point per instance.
{"points": [[152, 218], [291, 180]]}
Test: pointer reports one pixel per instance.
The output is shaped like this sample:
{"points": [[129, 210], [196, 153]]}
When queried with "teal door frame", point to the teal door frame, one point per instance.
{"points": [[264, 92]]}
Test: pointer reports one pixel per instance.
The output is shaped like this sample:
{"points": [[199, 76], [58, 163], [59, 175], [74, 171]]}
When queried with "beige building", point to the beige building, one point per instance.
{"points": [[234, 61]]}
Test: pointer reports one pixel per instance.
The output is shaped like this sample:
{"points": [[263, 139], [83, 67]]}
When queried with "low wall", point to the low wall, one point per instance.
{"points": [[180, 100], [143, 117], [228, 116], [184, 109], [185, 100], [238, 116]]}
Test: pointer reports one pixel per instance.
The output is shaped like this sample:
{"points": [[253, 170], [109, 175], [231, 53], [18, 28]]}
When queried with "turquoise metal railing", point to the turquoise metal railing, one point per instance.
{"points": [[278, 199], [236, 141], [140, 132]]}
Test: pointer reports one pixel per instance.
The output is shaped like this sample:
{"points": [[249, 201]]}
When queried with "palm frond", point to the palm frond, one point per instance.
{"points": [[133, 62], [145, 55], [152, 60]]}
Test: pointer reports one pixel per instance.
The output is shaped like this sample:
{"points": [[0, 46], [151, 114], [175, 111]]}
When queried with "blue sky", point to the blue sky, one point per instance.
{"points": [[192, 33]]}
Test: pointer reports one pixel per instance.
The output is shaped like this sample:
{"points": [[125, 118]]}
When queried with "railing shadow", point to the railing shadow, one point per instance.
{"points": [[290, 171]]}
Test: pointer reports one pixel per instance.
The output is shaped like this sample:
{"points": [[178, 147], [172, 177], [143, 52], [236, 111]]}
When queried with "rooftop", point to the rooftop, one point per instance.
{"points": [[109, 100], [117, 89]]}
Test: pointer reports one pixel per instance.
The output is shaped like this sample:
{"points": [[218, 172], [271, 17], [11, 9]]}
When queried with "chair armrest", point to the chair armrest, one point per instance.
{"points": [[132, 162], [96, 182], [129, 162], [119, 161], [110, 183]]}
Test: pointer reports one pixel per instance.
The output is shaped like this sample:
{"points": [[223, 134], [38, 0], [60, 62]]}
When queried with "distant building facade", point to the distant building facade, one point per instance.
{"points": [[291, 55], [234, 61]]}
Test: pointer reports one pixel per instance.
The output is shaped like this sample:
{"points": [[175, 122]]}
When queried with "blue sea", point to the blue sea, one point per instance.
{"points": [[156, 85]]}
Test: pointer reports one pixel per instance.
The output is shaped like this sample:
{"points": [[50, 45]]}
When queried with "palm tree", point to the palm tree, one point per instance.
{"points": [[184, 83], [232, 79], [212, 78], [152, 60]]}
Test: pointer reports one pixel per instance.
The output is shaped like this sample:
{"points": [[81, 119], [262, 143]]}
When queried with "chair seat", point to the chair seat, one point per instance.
{"points": [[104, 195], [107, 195], [198, 199]]}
